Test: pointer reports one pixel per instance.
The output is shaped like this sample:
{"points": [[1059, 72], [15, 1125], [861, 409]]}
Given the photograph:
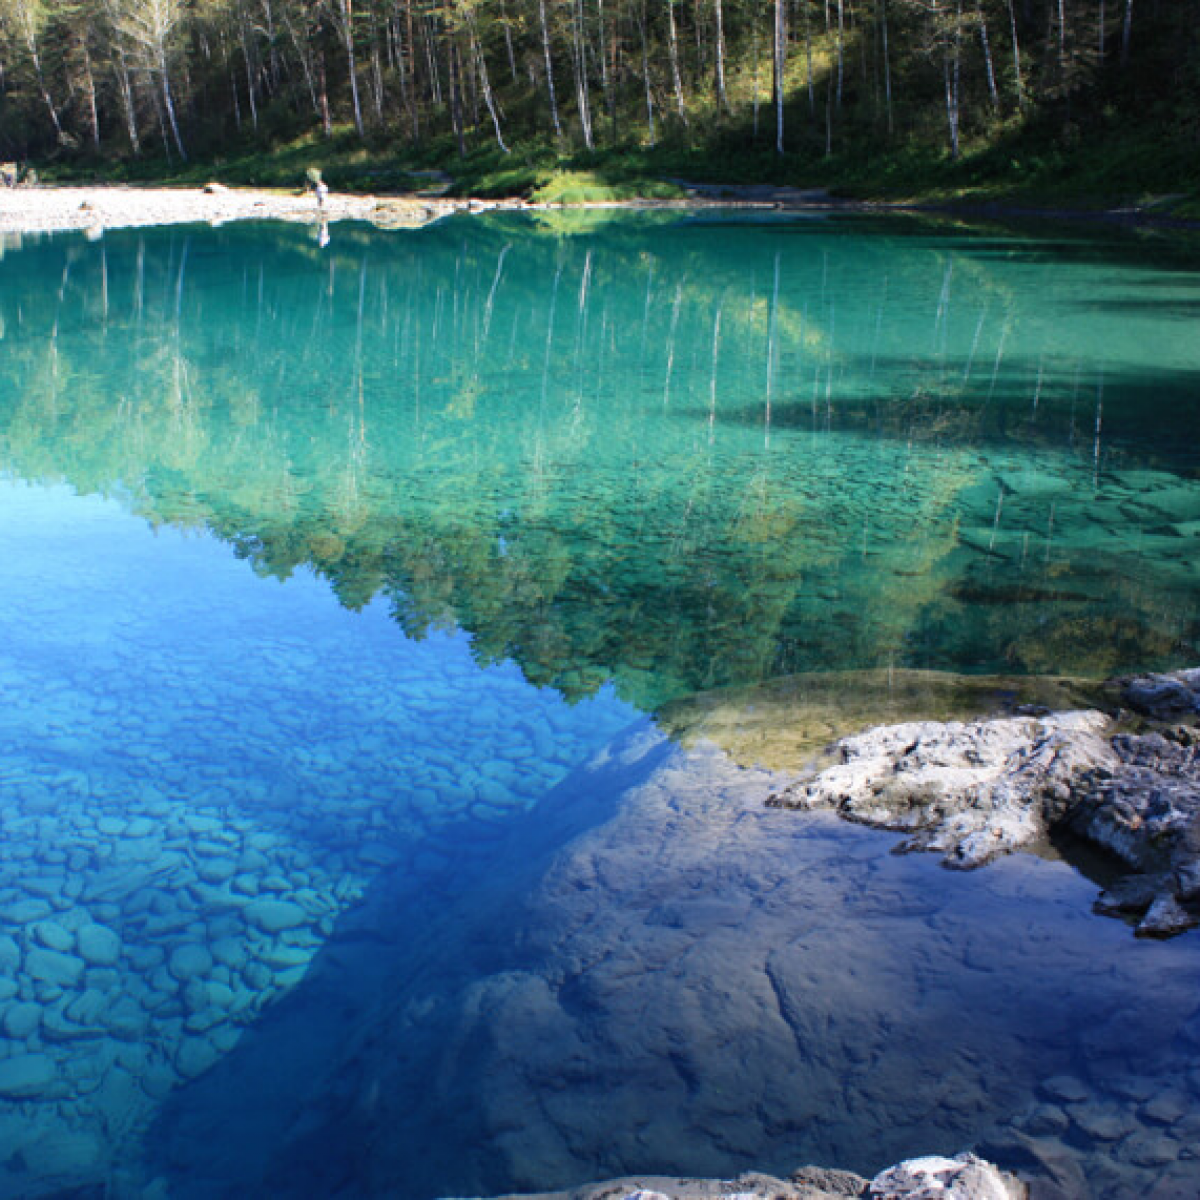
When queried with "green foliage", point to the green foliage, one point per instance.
{"points": [[1065, 114]]}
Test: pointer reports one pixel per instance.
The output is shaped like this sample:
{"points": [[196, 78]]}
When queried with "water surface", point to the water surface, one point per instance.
{"points": [[325, 568]]}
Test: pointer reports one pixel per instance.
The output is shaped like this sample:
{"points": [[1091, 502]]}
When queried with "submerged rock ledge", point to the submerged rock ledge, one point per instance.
{"points": [[1128, 783], [964, 1177]]}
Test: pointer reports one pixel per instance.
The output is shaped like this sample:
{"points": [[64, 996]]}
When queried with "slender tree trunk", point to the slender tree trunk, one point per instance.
{"points": [[722, 99], [488, 99], [90, 81], [508, 44], [887, 68], [347, 32], [754, 24], [779, 63], [456, 113], [841, 50], [602, 54], [170, 104], [673, 51], [579, 57], [642, 17], [951, 69], [808, 61], [36, 59], [323, 95], [1126, 33], [125, 88], [549, 69], [993, 90], [250, 73], [1016, 45]]}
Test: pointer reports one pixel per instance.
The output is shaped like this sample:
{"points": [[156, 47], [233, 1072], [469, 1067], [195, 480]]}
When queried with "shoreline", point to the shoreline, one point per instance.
{"points": [[91, 209]]}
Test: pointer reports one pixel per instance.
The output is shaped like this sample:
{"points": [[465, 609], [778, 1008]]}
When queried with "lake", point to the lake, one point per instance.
{"points": [[345, 589]]}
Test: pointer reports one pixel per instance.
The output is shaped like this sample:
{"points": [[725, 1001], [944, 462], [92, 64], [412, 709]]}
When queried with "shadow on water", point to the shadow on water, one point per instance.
{"points": [[654, 973], [291, 1112]]}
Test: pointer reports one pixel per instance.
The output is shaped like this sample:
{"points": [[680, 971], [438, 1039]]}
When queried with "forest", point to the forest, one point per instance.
{"points": [[1103, 91]]}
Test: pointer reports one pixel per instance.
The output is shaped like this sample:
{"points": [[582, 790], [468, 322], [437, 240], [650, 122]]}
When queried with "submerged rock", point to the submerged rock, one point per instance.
{"points": [[25, 1076], [975, 790]]}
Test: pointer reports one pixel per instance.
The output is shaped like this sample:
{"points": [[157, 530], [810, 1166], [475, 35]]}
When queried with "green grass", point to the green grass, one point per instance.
{"points": [[1015, 166]]}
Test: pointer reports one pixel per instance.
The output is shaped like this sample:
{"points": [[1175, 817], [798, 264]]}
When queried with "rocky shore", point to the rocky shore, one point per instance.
{"points": [[936, 1177], [50, 209], [1126, 782]]}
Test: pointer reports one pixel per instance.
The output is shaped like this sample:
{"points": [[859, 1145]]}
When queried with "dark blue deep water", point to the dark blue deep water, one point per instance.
{"points": [[340, 588]]}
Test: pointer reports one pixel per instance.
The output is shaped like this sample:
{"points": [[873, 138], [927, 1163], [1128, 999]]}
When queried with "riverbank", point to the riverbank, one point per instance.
{"points": [[56, 209], [94, 208]]}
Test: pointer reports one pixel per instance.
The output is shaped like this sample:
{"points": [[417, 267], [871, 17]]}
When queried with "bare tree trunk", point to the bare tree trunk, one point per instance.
{"points": [[508, 43], [170, 104], [579, 57], [251, 87], [323, 95], [673, 49], [1126, 33], [485, 84], [808, 68], [993, 90], [90, 81], [36, 59], [1016, 44], [456, 113], [779, 63], [347, 31], [841, 50], [951, 70], [125, 87], [549, 69], [887, 68], [646, 76], [722, 98]]}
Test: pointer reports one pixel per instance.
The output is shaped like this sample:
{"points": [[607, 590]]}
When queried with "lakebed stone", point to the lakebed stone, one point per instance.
{"points": [[26, 1076], [275, 916], [98, 945]]}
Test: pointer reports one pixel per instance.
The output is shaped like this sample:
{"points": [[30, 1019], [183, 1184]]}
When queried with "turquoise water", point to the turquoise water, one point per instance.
{"points": [[323, 568]]}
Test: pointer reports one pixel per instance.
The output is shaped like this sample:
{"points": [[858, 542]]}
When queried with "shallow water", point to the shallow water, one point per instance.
{"points": [[493, 492]]}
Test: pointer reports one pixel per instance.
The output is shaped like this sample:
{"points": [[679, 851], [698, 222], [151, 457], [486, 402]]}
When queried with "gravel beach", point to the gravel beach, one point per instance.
{"points": [[47, 209]]}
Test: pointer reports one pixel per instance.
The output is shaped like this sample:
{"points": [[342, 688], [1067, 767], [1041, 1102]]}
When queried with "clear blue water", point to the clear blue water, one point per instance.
{"points": [[325, 572]]}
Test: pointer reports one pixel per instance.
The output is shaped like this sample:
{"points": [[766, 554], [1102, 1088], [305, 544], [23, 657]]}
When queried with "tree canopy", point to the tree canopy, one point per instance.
{"points": [[176, 78]]}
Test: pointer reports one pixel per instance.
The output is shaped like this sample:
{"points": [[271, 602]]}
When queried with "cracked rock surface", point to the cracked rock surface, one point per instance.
{"points": [[974, 790]]}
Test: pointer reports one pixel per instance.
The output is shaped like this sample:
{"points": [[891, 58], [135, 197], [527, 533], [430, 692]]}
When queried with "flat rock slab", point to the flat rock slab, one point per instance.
{"points": [[975, 790]]}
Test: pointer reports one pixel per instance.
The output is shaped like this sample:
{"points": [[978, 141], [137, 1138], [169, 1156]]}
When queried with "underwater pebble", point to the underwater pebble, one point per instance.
{"points": [[24, 912], [1065, 1088], [274, 916], [98, 945], [194, 1056], [1149, 1150], [26, 1076], [1046, 1119], [20, 1021], [54, 968], [126, 1019], [1167, 1108], [230, 951], [1102, 1123], [189, 960], [10, 954], [64, 1154], [54, 937]]}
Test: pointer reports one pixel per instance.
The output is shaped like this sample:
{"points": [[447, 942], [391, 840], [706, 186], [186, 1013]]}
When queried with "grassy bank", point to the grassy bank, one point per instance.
{"points": [[1019, 169]]}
